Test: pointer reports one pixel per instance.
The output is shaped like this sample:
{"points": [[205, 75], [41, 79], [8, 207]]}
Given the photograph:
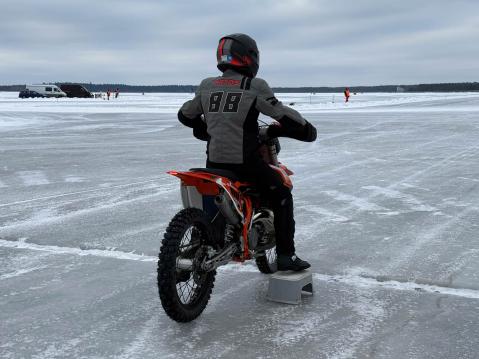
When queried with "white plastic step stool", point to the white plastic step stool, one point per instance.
{"points": [[287, 287]]}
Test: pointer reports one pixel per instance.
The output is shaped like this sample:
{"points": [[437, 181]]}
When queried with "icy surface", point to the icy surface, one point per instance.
{"points": [[387, 212]]}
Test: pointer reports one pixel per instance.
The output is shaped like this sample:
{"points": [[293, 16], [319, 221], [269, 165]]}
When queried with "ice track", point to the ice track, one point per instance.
{"points": [[350, 279], [386, 211]]}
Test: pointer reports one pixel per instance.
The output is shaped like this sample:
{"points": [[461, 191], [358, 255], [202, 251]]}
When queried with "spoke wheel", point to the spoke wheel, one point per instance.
{"points": [[267, 259], [267, 263], [183, 287]]}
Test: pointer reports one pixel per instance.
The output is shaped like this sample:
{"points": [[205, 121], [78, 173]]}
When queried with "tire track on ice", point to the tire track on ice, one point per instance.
{"points": [[79, 192], [365, 199], [354, 200], [425, 237], [105, 253], [354, 280], [367, 160], [50, 214]]}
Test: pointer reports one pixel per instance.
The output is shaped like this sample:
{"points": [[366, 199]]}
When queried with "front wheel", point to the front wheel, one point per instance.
{"points": [[267, 261], [185, 289]]}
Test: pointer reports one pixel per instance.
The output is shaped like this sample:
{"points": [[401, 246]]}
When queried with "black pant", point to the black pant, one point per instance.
{"points": [[271, 187]]}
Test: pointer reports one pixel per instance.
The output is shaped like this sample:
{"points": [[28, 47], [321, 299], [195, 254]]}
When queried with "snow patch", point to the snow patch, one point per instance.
{"points": [[33, 178], [74, 179], [47, 216], [351, 278], [361, 203], [79, 192], [371, 310], [330, 216], [373, 283], [57, 350], [412, 201], [390, 213], [22, 244], [20, 272], [469, 179], [142, 340]]}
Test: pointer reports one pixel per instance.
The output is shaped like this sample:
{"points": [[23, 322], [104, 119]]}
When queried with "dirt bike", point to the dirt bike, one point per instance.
{"points": [[223, 220]]}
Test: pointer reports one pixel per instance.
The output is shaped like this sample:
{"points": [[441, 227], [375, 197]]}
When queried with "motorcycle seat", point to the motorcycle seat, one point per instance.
{"points": [[219, 172]]}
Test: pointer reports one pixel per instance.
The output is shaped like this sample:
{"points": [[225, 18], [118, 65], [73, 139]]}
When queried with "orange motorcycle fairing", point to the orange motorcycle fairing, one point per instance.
{"points": [[209, 184]]}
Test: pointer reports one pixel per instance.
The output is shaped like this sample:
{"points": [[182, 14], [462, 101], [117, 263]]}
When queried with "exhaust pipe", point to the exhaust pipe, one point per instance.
{"points": [[227, 209]]}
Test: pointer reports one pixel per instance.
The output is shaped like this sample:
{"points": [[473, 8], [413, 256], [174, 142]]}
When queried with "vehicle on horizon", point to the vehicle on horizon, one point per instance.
{"points": [[75, 90], [224, 219], [47, 90], [29, 94]]}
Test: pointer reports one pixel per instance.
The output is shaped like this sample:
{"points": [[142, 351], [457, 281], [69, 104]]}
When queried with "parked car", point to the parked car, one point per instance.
{"points": [[47, 90], [29, 94], [73, 90]]}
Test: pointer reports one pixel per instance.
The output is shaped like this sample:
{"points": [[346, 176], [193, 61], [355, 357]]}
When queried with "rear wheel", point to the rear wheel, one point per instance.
{"points": [[183, 287]]}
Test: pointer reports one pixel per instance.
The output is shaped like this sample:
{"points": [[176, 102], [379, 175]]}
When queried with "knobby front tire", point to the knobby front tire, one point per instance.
{"points": [[267, 263]]}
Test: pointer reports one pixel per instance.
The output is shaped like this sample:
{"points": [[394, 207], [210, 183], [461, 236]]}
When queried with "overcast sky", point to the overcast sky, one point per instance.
{"points": [[302, 42]]}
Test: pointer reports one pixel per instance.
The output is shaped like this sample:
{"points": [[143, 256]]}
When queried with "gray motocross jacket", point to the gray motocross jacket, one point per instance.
{"points": [[225, 113]]}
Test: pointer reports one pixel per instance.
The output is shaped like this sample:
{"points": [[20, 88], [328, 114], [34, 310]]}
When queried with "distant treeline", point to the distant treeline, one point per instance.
{"points": [[442, 87]]}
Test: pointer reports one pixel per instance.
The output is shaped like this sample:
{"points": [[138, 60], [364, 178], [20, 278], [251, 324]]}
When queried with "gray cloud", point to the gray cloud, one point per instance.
{"points": [[302, 42]]}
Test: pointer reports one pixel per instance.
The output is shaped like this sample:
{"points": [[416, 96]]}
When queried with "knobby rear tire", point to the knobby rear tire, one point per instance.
{"points": [[169, 276]]}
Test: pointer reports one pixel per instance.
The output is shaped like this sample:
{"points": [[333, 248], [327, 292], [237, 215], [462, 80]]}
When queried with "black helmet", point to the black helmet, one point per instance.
{"points": [[238, 52]]}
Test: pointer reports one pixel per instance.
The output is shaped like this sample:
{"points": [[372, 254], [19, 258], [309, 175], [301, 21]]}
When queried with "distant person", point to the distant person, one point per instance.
{"points": [[108, 93], [117, 92], [346, 94]]}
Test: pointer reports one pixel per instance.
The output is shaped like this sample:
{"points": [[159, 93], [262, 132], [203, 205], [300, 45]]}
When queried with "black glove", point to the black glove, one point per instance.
{"points": [[199, 131], [292, 129]]}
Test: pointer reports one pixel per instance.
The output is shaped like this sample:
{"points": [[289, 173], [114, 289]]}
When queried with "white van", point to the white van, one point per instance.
{"points": [[47, 90]]}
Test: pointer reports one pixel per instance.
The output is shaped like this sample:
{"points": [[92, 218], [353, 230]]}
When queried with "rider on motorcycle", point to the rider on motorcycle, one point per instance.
{"points": [[225, 113]]}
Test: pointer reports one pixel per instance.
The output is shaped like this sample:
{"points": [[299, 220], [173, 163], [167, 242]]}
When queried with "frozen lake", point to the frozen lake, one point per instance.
{"points": [[387, 212]]}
